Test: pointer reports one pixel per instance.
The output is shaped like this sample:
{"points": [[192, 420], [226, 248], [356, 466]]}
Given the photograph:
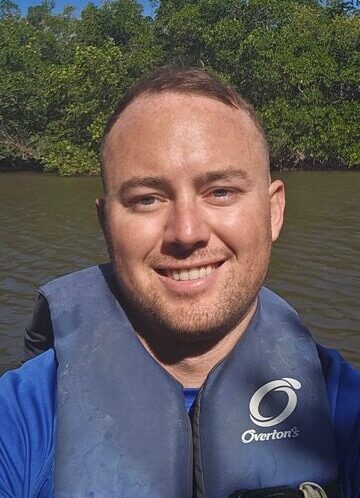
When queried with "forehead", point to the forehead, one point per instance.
{"points": [[173, 133]]}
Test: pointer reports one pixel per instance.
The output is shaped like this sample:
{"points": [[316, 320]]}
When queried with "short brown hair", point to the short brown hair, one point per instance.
{"points": [[183, 80]]}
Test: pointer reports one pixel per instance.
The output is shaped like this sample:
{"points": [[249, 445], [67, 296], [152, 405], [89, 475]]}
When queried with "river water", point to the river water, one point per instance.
{"points": [[48, 227]]}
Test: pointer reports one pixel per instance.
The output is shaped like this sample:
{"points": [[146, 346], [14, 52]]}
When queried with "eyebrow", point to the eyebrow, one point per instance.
{"points": [[144, 181], [200, 180], [221, 174]]}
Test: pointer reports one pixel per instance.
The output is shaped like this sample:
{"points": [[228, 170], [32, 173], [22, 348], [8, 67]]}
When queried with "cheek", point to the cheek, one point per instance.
{"points": [[132, 238], [245, 229]]}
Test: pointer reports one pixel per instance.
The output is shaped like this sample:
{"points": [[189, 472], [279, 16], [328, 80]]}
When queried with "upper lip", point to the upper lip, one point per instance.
{"points": [[199, 264]]}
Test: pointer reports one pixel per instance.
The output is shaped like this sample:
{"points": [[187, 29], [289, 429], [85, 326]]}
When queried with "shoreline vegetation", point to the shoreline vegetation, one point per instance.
{"points": [[61, 75], [36, 167]]}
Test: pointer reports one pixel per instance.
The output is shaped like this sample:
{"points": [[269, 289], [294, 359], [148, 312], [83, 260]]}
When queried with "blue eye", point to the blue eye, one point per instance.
{"points": [[220, 193], [147, 201]]}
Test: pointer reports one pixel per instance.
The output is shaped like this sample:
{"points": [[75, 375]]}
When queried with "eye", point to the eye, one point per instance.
{"points": [[145, 203], [147, 200], [221, 196], [221, 192]]}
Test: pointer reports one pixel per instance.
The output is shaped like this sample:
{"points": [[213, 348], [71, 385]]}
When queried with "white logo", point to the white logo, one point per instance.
{"points": [[251, 435], [286, 385]]}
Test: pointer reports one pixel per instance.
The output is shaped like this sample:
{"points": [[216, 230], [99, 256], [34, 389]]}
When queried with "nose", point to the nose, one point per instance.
{"points": [[186, 228]]}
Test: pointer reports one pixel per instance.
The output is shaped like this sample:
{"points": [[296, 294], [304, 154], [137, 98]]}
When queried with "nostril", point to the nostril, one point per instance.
{"points": [[181, 250]]}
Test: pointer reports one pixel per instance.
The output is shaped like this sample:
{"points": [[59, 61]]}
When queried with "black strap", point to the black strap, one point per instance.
{"points": [[277, 492], [332, 490]]}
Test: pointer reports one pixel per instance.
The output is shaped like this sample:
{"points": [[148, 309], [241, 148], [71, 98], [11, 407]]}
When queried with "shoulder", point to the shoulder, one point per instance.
{"points": [[343, 387], [39, 336], [27, 414], [342, 382], [80, 278]]}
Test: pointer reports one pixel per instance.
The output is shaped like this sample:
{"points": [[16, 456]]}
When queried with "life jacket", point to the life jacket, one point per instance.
{"points": [[261, 419]]}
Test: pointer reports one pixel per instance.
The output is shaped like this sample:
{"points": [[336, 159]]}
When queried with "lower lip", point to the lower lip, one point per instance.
{"points": [[190, 286]]}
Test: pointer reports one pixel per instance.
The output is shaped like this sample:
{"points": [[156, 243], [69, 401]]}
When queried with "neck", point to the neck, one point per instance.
{"points": [[191, 368]]}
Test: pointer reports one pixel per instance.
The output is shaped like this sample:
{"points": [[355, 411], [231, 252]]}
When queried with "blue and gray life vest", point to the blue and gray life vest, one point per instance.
{"points": [[261, 419]]}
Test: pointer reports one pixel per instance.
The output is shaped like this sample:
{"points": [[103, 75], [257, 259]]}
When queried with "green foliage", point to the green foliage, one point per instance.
{"points": [[120, 21], [303, 77], [9, 9], [23, 64], [66, 158], [296, 60], [60, 78]]}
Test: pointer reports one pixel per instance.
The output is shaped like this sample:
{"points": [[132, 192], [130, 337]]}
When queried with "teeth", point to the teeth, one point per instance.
{"points": [[184, 275], [208, 270], [202, 272], [192, 273]]}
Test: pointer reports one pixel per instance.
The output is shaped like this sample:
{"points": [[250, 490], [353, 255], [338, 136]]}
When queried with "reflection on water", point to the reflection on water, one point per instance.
{"points": [[49, 228]]}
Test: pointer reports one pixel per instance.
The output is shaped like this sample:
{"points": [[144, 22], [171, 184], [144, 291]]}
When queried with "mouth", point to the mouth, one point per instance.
{"points": [[189, 273]]}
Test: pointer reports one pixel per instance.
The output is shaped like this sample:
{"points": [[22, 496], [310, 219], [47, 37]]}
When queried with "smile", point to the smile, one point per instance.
{"points": [[185, 274]]}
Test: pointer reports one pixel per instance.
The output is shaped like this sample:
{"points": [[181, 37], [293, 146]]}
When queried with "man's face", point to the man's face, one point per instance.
{"points": [[189, 214]]}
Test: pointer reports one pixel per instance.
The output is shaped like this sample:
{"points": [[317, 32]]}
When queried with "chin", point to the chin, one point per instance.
{"points": [[190, 321]]}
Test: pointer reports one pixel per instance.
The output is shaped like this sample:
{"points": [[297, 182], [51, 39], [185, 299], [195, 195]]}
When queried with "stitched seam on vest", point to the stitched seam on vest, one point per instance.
{"points": [[190, 459], [198, 467]]}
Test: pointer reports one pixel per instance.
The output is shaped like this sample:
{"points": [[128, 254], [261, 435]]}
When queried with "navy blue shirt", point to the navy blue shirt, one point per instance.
{"points": [[28, 424]]}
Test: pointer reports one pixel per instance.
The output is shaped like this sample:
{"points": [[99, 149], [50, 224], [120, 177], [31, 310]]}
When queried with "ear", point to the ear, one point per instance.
{"points": [[277, 207], [100, 209]]}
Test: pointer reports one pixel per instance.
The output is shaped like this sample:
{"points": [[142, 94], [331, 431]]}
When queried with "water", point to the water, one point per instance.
{"points": [[49, 228]]}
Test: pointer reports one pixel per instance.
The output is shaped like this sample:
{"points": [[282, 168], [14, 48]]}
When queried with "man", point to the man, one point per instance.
{"points": [[189, 214]]}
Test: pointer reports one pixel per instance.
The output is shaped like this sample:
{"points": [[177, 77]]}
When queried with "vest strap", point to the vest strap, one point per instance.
{"points": [[277, 492], [305, 490]]}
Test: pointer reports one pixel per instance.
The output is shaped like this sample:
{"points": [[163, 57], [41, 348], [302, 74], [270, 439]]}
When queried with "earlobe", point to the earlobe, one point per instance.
{"points": [[277, 207]]}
